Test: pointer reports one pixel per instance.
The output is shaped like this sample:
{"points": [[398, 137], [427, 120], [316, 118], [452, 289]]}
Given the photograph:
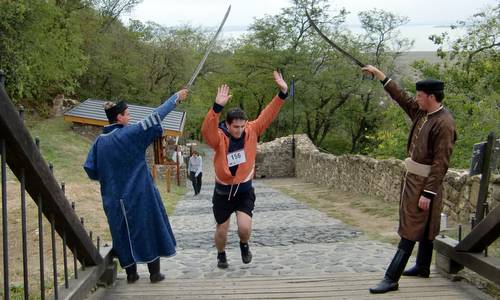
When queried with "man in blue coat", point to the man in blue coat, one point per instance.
{"points": [[138, 222]]}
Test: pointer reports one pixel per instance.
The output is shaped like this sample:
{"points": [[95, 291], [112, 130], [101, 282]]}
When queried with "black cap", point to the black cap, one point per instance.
{"points": [[115, 110], [430, 85]]}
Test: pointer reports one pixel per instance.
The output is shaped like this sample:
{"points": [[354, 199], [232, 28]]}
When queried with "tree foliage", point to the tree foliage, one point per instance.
{"points": [[40, 49], [82, 49], [469, 66]]}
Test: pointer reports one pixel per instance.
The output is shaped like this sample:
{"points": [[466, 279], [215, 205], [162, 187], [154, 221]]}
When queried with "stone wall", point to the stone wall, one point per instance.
{"points": [[60, 105], [274, 159], [362, 174]]}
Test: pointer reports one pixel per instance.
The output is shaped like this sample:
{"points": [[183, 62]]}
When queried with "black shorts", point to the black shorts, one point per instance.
{"points": [[223, 208]]}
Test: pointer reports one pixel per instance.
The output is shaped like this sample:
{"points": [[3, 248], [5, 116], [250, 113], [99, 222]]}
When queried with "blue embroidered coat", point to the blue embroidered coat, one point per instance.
{"points": [[137, 219]]}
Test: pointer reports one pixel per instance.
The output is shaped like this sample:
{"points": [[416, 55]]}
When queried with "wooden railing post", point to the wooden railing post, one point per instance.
{"points": [[177, 165], [5, 226], [485, 177], [453, 255], [22, 155]]}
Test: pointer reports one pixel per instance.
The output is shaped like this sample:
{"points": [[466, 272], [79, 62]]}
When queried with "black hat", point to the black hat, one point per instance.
{"points": [[430, 85], [115, 110]]}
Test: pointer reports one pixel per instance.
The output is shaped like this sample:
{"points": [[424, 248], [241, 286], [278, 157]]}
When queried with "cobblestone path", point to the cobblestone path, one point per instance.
{"points": [[288, 238], [298, 253]]}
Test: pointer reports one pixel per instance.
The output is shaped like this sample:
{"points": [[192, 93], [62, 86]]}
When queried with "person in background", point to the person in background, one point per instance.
{"points": [[195, 168]]}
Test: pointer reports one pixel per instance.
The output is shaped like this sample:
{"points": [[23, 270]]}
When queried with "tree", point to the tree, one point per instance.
{"points": [[382, 45], [40, 50], [469, 67], [286, 40], [382, 34], [111, 10]]}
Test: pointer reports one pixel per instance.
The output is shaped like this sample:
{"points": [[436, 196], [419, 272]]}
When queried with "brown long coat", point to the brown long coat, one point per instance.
{"points": [[430, 142]]}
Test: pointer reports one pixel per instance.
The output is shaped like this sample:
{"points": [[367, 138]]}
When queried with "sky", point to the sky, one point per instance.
{"points": [[426, 16]]}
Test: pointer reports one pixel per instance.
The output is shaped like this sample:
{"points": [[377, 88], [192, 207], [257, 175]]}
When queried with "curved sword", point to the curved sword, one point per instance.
{"points": [[207, 52], [352, 58]]}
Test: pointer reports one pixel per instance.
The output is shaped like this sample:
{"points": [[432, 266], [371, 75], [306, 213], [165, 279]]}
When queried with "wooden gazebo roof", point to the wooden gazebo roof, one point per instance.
{"points": [[91, 112]]}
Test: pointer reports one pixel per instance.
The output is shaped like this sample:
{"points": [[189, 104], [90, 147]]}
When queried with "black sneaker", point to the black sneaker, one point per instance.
{"points": [[246, 254], [222, 260]]}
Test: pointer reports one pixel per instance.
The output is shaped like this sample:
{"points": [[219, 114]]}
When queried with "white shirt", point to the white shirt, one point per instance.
{"points": [[195, 164]]}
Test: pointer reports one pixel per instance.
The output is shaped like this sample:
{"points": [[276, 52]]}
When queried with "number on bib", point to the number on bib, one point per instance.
{"points": [[236, 158]]}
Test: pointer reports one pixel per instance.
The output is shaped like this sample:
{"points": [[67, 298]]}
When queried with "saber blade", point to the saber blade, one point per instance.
{"points": [[335, 46], [208, 50]]}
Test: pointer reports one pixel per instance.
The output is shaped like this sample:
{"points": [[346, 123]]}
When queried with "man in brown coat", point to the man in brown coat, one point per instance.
{"points": [[430, 145]]}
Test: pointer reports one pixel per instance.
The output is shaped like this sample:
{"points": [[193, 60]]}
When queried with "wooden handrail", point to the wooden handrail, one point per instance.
{"points": [[22, 153]]}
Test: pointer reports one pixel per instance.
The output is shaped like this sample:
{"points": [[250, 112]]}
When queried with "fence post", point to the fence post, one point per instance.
{"points": [[5, 228], [485, 177]]}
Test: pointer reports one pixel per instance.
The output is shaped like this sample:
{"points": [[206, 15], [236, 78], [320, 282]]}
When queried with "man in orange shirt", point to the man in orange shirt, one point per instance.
{"points": [[235, 144]]}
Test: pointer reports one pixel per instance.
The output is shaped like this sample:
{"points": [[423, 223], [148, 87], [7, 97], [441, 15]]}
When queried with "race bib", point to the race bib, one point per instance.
{"points": [[236, 158]]}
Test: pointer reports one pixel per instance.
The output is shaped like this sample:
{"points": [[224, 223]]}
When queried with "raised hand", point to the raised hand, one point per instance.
{"points": [[223, 96], [278, 78], [373, 71], [182, 95]]}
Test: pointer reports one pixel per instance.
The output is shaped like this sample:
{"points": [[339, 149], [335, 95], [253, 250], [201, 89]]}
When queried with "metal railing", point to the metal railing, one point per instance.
{"points": [[20, 153]]}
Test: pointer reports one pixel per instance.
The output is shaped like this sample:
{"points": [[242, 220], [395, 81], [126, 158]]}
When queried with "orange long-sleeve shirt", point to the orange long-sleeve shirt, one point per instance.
{"points": [[217, 140]]}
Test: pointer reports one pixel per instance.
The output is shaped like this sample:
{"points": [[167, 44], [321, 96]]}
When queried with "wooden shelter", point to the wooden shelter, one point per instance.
{"points": [[91, 112]]}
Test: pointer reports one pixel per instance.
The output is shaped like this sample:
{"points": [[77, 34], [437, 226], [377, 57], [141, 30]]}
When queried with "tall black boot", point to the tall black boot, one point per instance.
{"points": [[132, 275], [154, 271], [395, 269], [424, 257]]}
